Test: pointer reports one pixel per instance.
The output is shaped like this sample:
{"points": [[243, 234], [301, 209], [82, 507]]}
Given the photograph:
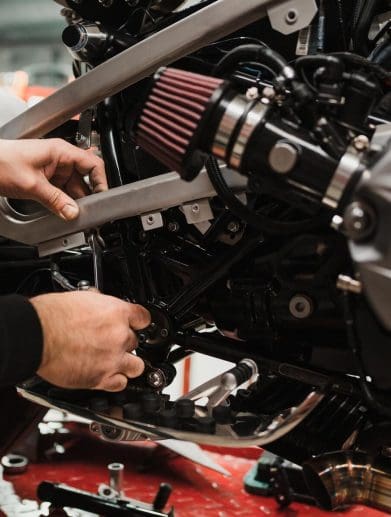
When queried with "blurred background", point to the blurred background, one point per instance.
{"points": [[33, 60]]}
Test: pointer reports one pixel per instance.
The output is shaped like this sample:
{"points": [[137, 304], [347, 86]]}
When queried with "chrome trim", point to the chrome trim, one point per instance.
{"points": [[347, 166], [254, 117], [231, 117]]}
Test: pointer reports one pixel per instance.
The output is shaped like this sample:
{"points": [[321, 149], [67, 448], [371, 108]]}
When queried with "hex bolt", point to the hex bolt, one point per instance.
{"points": [[116, 477]]}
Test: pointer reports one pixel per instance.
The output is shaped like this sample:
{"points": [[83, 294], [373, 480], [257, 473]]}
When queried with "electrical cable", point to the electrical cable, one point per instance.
{"points": [[255, 220]]}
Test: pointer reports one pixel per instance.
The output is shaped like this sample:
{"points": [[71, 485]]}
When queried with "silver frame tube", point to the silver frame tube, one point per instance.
{"points": [[166, 46]]}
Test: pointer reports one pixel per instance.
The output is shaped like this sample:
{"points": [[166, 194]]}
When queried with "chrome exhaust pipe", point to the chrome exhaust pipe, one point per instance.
{"points": [[346, 478]]}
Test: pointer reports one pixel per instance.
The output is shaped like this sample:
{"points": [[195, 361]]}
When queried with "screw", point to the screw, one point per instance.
{"points": [[359, 220], [361, 142], [164, 333], [195, 209], [156, 379], [233, 227], [173, 226]]}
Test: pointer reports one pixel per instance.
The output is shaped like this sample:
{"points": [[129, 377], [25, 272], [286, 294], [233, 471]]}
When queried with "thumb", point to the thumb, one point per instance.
{"points": [[56, 200]]}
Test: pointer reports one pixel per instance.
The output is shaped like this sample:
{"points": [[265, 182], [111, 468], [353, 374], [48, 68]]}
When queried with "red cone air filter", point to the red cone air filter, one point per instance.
{"points": [[172, 115]]}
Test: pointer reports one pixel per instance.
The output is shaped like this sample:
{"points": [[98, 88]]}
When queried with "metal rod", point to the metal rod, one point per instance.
{"points": [[130, 66]]}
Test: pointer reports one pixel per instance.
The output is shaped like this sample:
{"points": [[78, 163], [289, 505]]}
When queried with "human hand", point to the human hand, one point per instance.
{"points": [[88, 338], [51, 172]]}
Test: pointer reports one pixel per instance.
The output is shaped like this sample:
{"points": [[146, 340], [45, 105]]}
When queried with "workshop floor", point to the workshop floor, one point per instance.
{"points": [[197, 491]]}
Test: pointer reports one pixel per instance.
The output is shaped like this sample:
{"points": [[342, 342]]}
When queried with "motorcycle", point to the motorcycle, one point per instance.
{"points": [[247, 146]]}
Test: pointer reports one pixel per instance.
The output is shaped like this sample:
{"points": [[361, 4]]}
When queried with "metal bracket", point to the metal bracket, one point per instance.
{"points": [[198, 211], [292, 16], [62, 244], [152, 221]]}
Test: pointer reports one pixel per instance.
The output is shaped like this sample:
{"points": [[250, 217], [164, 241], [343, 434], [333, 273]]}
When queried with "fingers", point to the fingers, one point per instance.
{"points": [[85, 163], [55, 200], [139, 317], [76, 187], [117, 382], [132, 366]]}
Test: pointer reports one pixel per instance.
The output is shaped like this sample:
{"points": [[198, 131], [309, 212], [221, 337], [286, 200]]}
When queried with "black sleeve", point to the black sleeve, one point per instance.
{"points": [[21, 340]]}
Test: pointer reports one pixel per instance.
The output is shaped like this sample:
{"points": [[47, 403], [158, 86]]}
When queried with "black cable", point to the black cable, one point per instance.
{"points": [[360, 36], [354, 345], [257, 221], [247, 53]]}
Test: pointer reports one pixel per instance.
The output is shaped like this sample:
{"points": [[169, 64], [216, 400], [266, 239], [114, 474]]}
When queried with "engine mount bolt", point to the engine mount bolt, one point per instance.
{"points": [[301, 306], [359, 220], [361, 142]]}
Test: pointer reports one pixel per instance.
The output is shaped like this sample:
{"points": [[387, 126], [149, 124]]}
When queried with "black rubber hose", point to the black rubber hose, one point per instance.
{"points": [[334, 66], [247, 53], [257, 221], [360, 36]]}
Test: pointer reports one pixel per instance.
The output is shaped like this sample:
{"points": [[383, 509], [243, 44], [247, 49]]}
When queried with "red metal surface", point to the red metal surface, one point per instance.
{"points": [[198, 492]]}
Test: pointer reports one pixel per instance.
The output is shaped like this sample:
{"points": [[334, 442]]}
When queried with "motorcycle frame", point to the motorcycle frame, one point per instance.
{"points": [[184, 37]]}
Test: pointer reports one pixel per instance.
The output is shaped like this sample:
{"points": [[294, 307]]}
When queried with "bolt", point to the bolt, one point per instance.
{"points": [[269, 93], [164, 333], [301, 306], [348, 284], [233, 227], [252, 93], [83, 285], [359, 220], [361, 142], [156, 379], [337, 223], [173, 226], [195, 208]]}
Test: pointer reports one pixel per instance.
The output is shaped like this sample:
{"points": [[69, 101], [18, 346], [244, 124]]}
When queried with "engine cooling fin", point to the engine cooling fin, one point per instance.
{"points": [[176, 104]]}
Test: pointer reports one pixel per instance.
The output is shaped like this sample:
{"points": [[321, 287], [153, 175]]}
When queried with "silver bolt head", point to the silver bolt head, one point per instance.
{"points": [[361, 142]]}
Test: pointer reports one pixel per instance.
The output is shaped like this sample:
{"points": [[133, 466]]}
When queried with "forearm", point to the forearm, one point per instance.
{"points": [[21, 340]]}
